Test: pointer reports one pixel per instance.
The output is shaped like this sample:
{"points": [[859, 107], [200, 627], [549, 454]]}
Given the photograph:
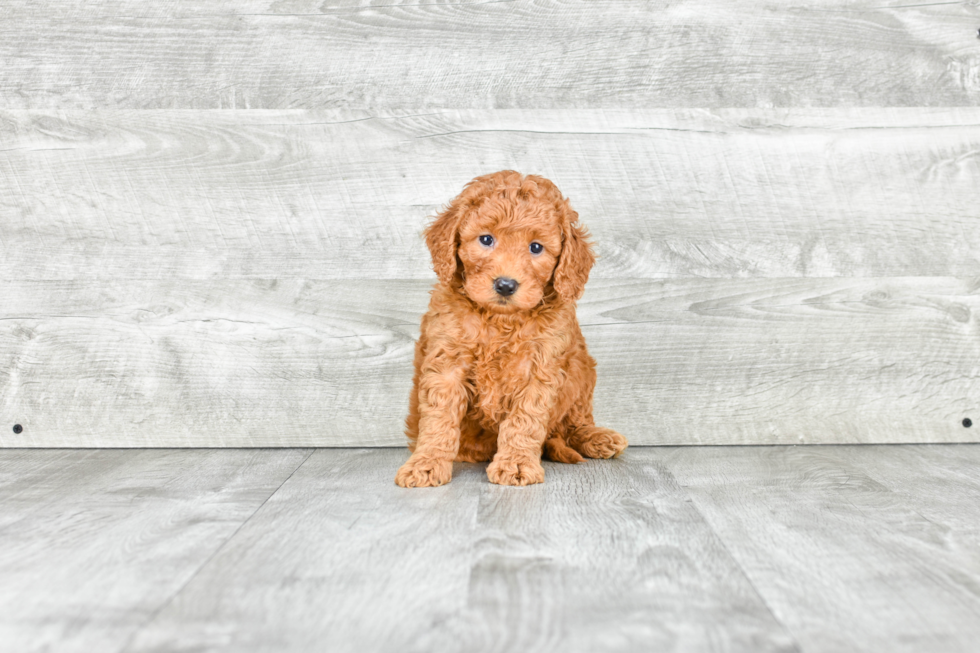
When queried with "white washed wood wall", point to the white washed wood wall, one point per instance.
{"points": [[210, 213]]}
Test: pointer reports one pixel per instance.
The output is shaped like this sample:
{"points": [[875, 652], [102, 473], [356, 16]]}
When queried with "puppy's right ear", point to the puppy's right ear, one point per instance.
{"points": [[442, 237]]}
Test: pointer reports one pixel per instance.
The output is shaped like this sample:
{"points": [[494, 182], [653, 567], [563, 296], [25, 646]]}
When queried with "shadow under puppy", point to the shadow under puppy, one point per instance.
{"points": [[501, 368]]}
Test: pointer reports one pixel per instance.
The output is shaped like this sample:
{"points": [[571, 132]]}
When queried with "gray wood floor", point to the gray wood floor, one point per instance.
{"points": [[833, 548]]}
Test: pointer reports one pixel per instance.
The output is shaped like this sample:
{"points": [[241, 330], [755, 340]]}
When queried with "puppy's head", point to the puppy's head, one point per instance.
{"points": [[511, 242]]}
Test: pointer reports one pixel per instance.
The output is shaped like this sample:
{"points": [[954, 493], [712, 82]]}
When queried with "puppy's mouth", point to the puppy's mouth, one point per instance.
{"points": [[504, 305], [499, 303]]}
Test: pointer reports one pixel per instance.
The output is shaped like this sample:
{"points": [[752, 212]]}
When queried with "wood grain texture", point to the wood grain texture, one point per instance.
{"points": [[811, 549], [210, 213], [328, 363], [844, 562], [94, 543], [945, 488], [344, 194], [606, 556], [533, 54], [780, 361]]}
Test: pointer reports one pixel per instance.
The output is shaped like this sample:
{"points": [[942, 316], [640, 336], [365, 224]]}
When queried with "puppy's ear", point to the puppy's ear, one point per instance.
{"points": [[442, 237], [576, 259]]}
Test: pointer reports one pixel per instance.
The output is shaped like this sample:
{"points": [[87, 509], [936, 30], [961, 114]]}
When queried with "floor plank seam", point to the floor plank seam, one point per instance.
{"points": [[149, 620], [724, 545]]}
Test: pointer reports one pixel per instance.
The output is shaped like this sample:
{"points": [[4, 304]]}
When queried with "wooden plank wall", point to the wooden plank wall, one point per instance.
{"points": [[210, 213]]}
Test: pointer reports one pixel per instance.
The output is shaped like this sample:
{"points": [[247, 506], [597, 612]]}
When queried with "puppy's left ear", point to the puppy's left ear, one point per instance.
{"points": [[576, 258], [441, 236]]}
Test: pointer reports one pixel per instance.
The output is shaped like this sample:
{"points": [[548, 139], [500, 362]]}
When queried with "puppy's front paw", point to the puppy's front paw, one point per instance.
{"points": [[422, 471], [597, 442], [515, 472]]}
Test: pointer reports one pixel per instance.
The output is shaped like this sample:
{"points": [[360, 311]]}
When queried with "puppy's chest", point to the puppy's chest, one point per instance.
{"points": [[502, 368]]}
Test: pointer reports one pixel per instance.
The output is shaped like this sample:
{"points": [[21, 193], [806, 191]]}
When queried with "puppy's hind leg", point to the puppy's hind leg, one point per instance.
{"points": [[556, 450], [596, 442]]}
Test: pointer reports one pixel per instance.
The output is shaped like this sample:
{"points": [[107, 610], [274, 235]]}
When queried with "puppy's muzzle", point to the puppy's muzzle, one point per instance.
{"points": [[504, 286]]}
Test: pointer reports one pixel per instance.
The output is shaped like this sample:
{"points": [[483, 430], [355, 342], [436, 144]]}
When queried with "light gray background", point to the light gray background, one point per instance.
{"points": [[210, 213]]}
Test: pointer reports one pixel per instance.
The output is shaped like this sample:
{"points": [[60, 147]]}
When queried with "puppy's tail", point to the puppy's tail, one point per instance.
{"points": [[555, 449]]}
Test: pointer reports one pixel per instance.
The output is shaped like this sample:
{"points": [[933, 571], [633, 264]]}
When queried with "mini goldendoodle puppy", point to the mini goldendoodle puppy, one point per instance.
{"points": [[501, 368]]}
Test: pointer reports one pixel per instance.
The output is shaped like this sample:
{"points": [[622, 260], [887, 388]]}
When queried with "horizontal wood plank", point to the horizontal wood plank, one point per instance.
{"points": [[530, 54], [328, 363], [273, 194]]}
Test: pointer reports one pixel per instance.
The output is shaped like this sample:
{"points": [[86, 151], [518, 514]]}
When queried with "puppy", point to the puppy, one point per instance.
{"points": [[501, 368]]}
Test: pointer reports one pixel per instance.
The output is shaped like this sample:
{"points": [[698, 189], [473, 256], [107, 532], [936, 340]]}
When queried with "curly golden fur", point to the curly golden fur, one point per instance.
{"points": [[501, 368]]}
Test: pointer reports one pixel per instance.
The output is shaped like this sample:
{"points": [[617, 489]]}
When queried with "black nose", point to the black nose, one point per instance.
{"points": [[505, 286]]}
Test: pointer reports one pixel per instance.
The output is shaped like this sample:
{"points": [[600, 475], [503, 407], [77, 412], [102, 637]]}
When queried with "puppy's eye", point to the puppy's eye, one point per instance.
{"points": [[536, 248], [486, 240]]}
